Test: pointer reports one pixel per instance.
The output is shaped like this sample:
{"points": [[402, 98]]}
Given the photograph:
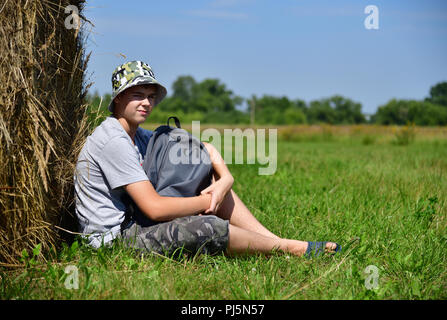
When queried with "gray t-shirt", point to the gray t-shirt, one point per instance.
{"points": [[107, 162]]}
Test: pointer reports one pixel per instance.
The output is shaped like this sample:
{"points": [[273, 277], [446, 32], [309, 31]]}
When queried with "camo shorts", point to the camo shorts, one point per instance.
{"points": [[191, 234]]}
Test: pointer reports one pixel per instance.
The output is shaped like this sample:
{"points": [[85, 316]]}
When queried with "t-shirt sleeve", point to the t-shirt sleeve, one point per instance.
{"points": [[120, 163]]}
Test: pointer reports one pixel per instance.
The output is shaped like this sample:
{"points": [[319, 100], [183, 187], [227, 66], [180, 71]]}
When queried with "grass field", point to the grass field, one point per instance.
{"points": [[391, 197]]}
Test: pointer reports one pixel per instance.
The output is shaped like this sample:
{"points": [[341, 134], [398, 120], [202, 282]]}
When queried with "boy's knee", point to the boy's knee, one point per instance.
{"points": [[207, 234], [194, 234], [205, 226]]}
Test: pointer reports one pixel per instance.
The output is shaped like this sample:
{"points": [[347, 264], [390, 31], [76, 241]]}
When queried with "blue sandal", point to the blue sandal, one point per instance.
{"points": [[315, 249]]}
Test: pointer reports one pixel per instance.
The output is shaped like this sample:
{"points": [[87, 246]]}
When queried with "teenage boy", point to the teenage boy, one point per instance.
{"points": [[110, 167]]}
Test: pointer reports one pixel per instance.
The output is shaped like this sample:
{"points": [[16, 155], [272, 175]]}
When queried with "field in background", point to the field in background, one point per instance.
{"points": [[358, 182], [366, 133]]}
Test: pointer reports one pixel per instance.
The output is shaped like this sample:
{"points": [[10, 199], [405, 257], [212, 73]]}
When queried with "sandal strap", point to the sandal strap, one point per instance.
{"points": [[316, 248]]}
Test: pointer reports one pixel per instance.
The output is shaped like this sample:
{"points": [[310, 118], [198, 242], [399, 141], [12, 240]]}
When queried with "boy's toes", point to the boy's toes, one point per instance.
{"points": [[331, 246]]}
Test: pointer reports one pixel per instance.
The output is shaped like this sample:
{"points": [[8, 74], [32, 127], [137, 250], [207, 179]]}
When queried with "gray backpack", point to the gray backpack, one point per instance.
{"points": [[177, 164]]}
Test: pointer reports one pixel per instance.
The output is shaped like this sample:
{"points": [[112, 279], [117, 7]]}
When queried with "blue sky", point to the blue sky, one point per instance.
{"points": [[301, 49]]}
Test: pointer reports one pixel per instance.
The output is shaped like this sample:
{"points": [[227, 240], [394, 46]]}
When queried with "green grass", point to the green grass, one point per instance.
{"points": [[392, 197]]}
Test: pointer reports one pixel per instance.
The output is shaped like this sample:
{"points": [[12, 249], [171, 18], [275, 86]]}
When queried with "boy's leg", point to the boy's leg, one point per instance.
{"points": [[193, 234], [208, 234], [233, 209], [247, 234], [246, 241]]}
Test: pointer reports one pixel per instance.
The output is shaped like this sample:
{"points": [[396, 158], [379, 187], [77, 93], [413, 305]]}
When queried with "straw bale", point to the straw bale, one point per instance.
{"points": [[42, 122]]}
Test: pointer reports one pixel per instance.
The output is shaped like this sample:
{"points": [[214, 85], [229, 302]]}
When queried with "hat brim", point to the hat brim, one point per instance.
{"points": [[161, 90]]}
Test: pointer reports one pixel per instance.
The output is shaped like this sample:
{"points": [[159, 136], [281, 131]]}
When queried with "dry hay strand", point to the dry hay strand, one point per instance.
{"points": [[42, 122]]}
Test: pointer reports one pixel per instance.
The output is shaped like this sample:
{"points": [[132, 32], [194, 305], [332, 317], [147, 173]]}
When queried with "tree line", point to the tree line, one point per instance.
{"points": [[210, 101]]}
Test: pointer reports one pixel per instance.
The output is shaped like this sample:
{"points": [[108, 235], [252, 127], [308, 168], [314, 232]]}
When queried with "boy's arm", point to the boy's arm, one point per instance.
{"points": [[219, 166], [222, 180], [159, 208]]}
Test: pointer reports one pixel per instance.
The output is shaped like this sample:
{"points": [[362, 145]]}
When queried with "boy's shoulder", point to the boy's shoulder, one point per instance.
{"points": [[109, 129]]}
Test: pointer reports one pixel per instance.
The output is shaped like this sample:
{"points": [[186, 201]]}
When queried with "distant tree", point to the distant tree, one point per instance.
{"points": [[346, 110], [213, 96], [294, 116], [320, 111], [394, 112], [231, 117], [401, 112], [277, 110], [335, 110], [182, 95], [208, 100], [300, 104], [211, 101], [183, 88], [296, 112], [424, 113], [438, 94]]}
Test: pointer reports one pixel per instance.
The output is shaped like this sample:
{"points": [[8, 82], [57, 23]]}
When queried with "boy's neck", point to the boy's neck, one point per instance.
{"points": [[129, 128]]}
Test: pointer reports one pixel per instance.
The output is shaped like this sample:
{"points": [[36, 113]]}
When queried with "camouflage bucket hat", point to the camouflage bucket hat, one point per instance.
{"points": [[131, 74]]}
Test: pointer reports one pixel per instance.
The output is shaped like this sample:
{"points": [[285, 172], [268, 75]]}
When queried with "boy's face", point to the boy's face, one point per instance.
{"points": [[136, 103]]}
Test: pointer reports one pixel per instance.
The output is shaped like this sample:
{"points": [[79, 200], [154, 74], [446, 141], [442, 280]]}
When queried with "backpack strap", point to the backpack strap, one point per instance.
{"points": [[176, 120]]}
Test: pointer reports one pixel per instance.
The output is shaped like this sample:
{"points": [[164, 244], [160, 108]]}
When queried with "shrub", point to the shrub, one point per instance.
{"points": [[405, 135]]}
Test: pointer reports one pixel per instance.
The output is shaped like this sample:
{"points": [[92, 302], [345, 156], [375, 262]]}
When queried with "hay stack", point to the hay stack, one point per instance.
{"points": [[42, 122]]}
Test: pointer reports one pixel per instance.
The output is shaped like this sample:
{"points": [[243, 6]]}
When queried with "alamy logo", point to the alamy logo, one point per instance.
{"points": [[372, 20], [72, 280], [72, 21], [255, 147], [372, 280]]}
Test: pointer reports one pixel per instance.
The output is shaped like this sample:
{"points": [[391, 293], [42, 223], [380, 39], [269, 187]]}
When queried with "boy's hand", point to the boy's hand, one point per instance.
{"points": [[218, 191]]}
